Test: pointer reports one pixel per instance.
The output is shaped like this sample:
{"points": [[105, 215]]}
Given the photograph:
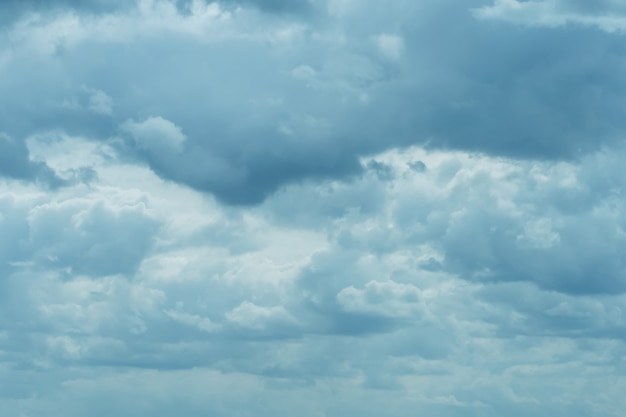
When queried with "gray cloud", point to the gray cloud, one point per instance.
{"points": [[16, 163], [324, 208], [275, 6], [324, 292], [537, 100], [86, 239]]}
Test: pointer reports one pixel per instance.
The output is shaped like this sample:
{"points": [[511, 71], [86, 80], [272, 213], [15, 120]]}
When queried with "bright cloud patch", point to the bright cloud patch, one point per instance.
{"points": [[389, 45], [155, 134]]}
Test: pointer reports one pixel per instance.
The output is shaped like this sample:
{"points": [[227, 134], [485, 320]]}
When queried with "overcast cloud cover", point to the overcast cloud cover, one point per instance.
{"points": [[314, 208]]}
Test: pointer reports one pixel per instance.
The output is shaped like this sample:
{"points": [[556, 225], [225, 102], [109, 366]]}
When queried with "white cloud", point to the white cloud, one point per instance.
{"points": [[539, 234], [156, 134], [392, 46], [250, 315], [202, 323]]}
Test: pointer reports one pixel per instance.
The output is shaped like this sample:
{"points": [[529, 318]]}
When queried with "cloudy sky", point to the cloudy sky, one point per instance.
{"points": [[316, 208]]}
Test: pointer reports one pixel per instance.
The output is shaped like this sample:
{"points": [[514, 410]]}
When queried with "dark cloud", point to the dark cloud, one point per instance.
{"points": [[249, 176], [15, 163], [585, 259], [537, 99], [522, 93], [534, 312]]}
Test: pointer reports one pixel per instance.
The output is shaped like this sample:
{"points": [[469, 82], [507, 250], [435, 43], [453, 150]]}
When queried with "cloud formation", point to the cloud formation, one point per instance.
{"points": [[608, 15], [317, 208], [15, 163], [324, 90]]}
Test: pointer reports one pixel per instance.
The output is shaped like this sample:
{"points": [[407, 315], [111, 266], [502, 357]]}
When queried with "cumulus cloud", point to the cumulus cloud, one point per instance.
{"points": [[334, 91], [91, 238], [317, 208], [251, 316], [360, 285], [156, 134]]}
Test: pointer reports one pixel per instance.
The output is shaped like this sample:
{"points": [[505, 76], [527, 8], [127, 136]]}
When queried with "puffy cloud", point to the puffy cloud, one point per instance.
{"points": [[202, 323], [91, 237], [321, 208], [321, 94], [360, 286], [251, 316], [156, 134]]}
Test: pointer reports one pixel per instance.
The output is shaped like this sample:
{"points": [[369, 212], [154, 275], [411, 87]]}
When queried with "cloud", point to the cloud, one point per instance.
{"points": [[156, 134], [276, 6], [320, 96], [381, 298], [252, 316], [100, 102], [15, 163], [608, 15], [317, 208], [389, 45], [201, 323], [87, 236], [15, 9], [357, 285]]}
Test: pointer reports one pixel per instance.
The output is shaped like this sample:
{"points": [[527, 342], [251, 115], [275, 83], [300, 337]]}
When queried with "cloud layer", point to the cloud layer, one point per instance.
{"points": [[317, 208]]}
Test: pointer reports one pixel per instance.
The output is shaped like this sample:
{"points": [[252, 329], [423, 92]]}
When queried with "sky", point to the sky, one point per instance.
{"points": [[316, 208]]}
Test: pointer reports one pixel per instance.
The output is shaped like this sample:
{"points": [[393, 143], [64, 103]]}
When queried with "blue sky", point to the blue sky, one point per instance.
{"points": [[318, 208]]}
